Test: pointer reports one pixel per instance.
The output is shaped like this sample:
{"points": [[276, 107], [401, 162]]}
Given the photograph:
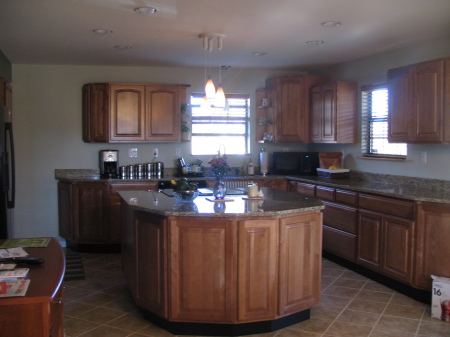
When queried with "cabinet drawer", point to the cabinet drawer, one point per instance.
{"points": [[397, 207], [125, 186], [340, 217], [308, 189], [325, 193], [339, 243], [347, 197]]}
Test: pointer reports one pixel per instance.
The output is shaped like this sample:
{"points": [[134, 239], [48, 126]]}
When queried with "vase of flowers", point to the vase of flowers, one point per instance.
{"points": [[219, 167]]}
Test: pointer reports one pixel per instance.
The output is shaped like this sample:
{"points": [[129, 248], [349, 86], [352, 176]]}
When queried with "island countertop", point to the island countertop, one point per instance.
{"points": [[275, 202]]}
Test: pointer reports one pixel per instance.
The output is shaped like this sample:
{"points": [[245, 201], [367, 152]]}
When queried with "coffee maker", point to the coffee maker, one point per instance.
{"points": [[109, 164]]}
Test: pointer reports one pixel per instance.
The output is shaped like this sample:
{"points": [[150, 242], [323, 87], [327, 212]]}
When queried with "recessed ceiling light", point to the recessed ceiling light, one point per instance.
{"points": [[103, 31], [331, 23], [259, 53], [122, 47], [146, 10], [315, 42]]}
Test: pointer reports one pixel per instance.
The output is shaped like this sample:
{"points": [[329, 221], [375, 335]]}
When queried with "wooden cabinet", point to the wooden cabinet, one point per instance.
{"points": [[116, 112], [264, 116], [418, 108], [289, 97], [40, 312], [433, 246], [300, 245], [334, 113], [89, 212], [280, 183], [340, 220], [385, 241]]}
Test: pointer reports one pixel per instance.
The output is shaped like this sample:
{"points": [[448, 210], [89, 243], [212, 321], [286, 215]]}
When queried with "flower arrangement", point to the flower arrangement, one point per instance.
{"points": [[219, 164]]}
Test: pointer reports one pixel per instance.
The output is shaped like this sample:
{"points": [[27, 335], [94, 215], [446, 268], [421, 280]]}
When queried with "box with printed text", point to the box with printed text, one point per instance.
{"points": [[440, 302]]}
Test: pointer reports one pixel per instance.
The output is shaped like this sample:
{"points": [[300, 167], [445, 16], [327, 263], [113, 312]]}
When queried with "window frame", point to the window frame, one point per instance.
{"points": [[245, 121], [366, 126]]}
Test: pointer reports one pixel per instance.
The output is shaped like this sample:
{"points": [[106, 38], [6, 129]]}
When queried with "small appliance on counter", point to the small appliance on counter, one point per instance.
{"points": [[296, 163], [109, 164]]}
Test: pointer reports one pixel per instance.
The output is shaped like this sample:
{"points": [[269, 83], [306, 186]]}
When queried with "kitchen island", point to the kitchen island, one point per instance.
{"points": [[222, 268]]}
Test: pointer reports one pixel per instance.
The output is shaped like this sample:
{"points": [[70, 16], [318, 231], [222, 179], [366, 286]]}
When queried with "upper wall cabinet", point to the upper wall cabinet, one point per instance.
{"points": [[115, 112], [334, 117], [419, 103], [289, 97]]}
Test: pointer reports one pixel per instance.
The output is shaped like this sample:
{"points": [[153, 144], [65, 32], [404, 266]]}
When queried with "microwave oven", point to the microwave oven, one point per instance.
{"points": [[295, 163]]}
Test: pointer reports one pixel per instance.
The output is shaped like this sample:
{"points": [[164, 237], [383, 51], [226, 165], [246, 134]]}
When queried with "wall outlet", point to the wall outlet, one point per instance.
{"points": [[133, 152], [155, 153]]}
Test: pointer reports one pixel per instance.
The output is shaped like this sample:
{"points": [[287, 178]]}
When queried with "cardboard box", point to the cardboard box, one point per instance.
{"points": [[440, 302]]}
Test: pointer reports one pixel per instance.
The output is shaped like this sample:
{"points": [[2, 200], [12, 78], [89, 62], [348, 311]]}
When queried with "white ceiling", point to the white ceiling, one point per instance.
{"points": [[61, 31]]}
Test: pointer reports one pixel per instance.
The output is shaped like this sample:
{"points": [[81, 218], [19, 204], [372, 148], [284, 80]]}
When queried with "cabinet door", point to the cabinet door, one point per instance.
{"points": [[127, 104], [291, 115], [398, 237], [89, 207], [369, 240], [96, 112], [399, 105], [328, 129], [65, 211], [300, 262], [308, 189], [280, 184], [257, 269], [316, 109], [151, 265], [427, 110], [162, 113], [202, 270]]}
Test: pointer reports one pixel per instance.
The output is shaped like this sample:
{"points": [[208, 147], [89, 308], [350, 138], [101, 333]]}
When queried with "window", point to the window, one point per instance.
{"points": [[213, 126], [375, 125]]}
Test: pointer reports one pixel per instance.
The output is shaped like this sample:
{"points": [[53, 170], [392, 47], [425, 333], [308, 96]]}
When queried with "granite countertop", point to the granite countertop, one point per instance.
{"points": [[429, 190], [275, 202]]}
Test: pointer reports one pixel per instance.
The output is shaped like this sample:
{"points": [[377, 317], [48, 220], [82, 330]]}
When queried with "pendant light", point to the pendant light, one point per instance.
{"points": [[210, 89], [220, 100]]}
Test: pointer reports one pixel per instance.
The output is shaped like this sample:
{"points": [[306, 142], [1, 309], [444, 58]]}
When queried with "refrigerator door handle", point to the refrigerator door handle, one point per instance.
{"points": [[11, 166]]}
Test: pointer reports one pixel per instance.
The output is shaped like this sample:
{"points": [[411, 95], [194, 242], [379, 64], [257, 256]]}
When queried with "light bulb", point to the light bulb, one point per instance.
{"points": [[210, 90], [219, 100]]}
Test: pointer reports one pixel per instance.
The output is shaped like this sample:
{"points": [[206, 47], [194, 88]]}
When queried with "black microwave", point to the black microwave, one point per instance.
{"points": [[295, 163]]}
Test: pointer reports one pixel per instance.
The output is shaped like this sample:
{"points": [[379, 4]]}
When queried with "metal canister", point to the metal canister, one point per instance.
{"points": [[139, 171], [149, 170], [159, 169], [122, 172], [129, 172]]}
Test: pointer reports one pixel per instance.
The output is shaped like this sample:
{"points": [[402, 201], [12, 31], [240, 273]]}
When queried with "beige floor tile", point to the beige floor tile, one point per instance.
{"points": [[106, 331], [101, 315], [74, 327], [404, 311], [364, 318], [328, 272], [317, 325], [349, 283], [391, 333], [374, 296], [346, 329], [374, 286], [334, 301], [325, 312], [341, 291], [297, 333], [398, 323], [367, 306], [349, 274], [401, 299], [435, 328]]}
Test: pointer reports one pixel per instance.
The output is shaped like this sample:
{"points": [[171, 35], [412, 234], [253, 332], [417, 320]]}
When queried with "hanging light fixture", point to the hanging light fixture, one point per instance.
{"points": [[220, 95], [210, 89]]}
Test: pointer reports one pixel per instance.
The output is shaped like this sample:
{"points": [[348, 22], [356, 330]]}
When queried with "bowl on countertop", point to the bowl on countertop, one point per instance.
{"points": [[186, 195]]}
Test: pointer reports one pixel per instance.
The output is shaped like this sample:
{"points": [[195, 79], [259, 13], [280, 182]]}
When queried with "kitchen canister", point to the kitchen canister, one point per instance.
{"points": [[264, 162]]}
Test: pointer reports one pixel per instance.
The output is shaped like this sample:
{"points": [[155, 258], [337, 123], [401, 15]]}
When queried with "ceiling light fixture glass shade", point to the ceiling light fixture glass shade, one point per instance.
{"points": [[219, 100], [210, 89]]}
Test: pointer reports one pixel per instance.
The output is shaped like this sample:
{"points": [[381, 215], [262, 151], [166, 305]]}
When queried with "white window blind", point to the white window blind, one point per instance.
{"points": [[375, 124], [215, 126]]}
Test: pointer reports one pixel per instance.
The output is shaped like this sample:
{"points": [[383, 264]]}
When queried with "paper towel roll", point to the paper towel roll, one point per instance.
{"points": [[263, 162]]}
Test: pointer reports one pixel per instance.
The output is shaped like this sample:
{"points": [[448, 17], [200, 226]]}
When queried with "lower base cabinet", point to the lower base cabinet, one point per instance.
{"points": [[213, 270], [402, 239]]}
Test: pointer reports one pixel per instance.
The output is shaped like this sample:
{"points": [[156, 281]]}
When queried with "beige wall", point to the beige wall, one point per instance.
{"points": [[47, 122]]}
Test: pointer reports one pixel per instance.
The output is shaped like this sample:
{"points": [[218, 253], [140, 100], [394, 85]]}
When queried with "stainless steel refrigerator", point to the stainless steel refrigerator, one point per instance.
{"points": [[7, 173]]}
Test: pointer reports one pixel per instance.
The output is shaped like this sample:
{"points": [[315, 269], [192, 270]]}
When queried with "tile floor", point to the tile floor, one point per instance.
{"points": [[351, 306]]}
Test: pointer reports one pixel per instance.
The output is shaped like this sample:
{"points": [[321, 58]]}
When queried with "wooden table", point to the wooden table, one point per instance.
{"points": [[40, 312]]}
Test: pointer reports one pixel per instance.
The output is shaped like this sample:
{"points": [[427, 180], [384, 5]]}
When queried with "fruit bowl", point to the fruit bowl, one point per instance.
{"points": [[185, 195]]}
